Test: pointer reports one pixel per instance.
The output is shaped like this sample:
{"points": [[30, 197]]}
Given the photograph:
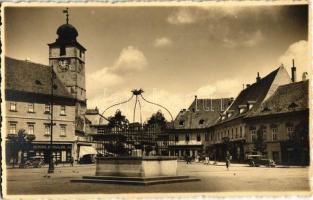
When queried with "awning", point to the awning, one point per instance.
{"points": [[85, 150]]}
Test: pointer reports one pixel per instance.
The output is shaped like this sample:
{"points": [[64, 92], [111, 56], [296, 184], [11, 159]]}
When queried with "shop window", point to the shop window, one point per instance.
{"points": [[31, 107], [13, 106]]}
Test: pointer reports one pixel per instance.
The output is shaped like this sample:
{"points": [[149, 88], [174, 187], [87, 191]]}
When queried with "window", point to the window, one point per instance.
{"points": [[187, 138], [62, 110], [198, 137], [31, 107], [253, 135], [274, 134], [206, 137], [47, 129], [264, 134], [63, 130], [13, 106], [80, 53], [13, 128], [290, 132], [31, 129], [176, 138], [240, 132], [181, 122], [47, 108], [201, 122]]}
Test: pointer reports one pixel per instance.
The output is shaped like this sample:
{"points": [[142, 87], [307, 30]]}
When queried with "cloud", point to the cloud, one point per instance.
{"points": [[182, 16], [130, 59], [220, 89], [254, 39], [299, 51], [162, 42], [98, 81]]}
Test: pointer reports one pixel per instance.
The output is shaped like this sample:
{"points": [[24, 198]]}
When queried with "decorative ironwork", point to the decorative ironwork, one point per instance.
{"points": [[136, 138]]}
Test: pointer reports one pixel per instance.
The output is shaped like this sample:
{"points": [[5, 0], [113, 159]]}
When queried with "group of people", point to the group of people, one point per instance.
{"points": [[206, 161]]}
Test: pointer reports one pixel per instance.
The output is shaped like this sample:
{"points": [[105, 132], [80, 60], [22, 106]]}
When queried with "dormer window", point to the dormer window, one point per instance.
{"points": [[251, 104], [181, 122], [229, 113], [292, 106], [242, 108]]}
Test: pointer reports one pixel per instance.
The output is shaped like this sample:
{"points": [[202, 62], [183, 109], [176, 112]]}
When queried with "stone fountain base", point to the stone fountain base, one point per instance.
{"points": [[136, 170]]}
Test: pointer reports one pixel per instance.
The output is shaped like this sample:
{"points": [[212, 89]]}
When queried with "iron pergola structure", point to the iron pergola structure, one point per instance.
{"points": [[136, 138]]}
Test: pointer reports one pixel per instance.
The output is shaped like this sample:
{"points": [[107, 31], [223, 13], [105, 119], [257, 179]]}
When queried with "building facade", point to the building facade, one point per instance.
{"points": [[190, 126], [32, 90]]}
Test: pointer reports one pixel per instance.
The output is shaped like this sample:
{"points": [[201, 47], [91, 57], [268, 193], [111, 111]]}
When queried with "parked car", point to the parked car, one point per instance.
{"points": [[258, 160], [34, 162]]}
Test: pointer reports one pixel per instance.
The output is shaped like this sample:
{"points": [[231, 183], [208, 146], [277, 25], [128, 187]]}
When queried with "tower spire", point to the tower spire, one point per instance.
{"points": [[66, 11]]}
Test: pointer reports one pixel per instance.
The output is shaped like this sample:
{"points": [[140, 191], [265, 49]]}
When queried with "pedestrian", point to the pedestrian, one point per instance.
{"points": [[207, 160], [228, 158], [72, 161]]}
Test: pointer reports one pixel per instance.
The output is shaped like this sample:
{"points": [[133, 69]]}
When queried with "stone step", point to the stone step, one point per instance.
{"points": [[135, 182], [154, 178]]}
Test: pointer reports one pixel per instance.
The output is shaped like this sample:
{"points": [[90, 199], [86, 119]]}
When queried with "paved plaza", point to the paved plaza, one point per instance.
{"points": [[214, 178]]}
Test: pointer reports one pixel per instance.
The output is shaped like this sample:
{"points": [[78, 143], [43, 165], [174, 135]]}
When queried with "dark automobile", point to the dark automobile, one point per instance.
{"points": [[34, 162], [258, 160]]}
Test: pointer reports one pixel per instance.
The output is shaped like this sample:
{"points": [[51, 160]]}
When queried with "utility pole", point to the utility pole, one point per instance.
{"points": [[51, 165]]}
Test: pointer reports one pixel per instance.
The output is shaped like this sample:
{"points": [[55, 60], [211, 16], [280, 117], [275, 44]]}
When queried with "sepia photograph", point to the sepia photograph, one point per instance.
{"points": [[203, 98]]}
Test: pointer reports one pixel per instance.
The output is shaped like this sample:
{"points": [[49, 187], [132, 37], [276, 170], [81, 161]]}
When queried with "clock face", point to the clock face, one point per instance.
{"points": [[63, 65]]}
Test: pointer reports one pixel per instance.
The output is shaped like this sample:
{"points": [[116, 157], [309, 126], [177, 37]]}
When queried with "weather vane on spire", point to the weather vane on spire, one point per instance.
{"points": [[66, 11]]}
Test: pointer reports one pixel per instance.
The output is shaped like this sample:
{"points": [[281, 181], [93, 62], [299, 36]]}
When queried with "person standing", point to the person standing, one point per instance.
{"points": [[227, 159]]}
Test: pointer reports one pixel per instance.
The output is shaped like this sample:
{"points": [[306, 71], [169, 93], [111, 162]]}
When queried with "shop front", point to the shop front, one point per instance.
{"points": [[62, 153]]}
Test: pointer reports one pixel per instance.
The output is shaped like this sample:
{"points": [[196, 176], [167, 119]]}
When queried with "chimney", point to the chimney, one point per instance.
{"points": [[196, 100], [293, 72], [258, 78]]}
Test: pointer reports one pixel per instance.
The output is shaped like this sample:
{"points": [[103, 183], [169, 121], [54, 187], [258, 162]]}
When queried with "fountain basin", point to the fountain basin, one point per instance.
{"points": [[146, 166]]}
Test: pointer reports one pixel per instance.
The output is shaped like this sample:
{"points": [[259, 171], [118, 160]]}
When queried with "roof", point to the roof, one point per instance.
{"points": [[287, 98], [256, 93], [201, 113], [25, 76]]}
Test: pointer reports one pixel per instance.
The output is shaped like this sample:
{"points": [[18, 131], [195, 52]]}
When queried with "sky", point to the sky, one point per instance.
{"points": [[172, 52]]}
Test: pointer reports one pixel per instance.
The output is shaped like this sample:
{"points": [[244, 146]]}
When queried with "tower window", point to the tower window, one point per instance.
{"points": [[80, 53], [62, 51]]}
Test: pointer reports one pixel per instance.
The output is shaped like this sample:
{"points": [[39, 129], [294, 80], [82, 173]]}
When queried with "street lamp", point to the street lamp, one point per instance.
{"points": [[51, 165]]}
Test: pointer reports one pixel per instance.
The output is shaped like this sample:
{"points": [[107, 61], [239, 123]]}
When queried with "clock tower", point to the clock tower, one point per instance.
{"points": [[67, 56]]}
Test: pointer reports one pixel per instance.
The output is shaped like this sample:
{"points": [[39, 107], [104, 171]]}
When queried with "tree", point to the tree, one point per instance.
{"points": [[260, 142], [20, 142], [157, 119], [118, 120]]}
